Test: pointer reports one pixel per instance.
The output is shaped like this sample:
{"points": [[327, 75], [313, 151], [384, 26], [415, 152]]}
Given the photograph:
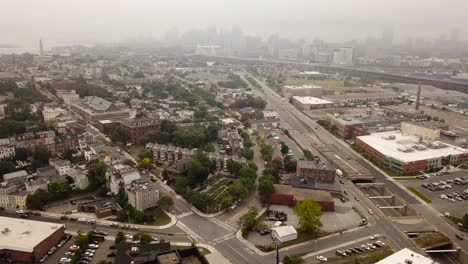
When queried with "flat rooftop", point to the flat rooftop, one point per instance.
{"points": [[404, 256], [408, 148], [23, 235], [311, 100]]}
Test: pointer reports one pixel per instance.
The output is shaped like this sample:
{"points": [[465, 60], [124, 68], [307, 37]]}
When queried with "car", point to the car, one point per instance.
{"points": [[86, 258], [348, 252], [65, 260], [377, 245], [19, 211], [365, 247], [370, 245], [82, 220], [345, 192], [443, 196], [93, 246], [114, 224], [374, 237], [370, 211], [355, 198], [64, 217], [69, 253], [134, 227], [73, 219], [452, 200], [51, 251], [37, 213], [340, 253], [380, 242], [68, 237], [74, 247], [358, 249], [128, 236], [91, 250], [460, 236], [24, 215], [44, 258], [264, 232], [322, 258], [341, 182], [112, 254], [112, 247], [342, 199], [61, 243], [92, 221], [459, 198], [89, 254]]}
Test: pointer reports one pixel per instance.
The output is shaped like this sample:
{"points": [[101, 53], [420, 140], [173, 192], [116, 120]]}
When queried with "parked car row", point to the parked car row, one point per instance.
{"points": [[455, 196], [447, 184], [54, 248], [123, 226], [85, 258], [81, 220], [360, 249]]}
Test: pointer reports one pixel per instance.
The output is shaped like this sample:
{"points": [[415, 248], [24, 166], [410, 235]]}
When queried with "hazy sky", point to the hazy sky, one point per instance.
{"points": [[25, 21]]}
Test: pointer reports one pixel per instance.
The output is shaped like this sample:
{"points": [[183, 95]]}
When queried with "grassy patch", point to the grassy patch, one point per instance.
{"points": [[156, 172], [161, 218], [420, 195], [455, 219], [325, 84], [368, 257], [203, 250]]}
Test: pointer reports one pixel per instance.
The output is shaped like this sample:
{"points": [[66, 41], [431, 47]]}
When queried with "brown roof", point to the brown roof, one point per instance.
{"points": [[304, 194]]}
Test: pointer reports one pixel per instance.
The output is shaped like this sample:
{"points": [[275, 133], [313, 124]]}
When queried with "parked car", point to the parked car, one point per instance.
{"points": [[112, 254], [51, 251], [322, 258], [264, 232], [43, 259]]}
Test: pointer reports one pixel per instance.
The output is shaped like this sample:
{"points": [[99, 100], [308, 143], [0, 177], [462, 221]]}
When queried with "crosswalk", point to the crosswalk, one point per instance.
{"points": [[218, 240], [223, 225], [185, 214], [190, 232]]}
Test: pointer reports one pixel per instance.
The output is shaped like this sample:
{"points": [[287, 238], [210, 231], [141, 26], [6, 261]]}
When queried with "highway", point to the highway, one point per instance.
{"points": [[307, 133]]}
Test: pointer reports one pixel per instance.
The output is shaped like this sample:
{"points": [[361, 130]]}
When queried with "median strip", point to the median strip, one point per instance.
{"points": [[420, 195]]}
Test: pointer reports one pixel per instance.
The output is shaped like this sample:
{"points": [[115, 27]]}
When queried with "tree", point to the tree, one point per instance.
{"points": [[309, 213], [284, 148], [38, 199], [266, 151], [120, 238], [248, 221], [41, 154], [249, 154], [20, 110], [202, 201], [196, 172], [138, 74], [119, 135], [6, 167], [145, 238], [97, 175], [59, 190], [293, 260], [234, 167], [165, 202], [435, 118], [21, 154], [465, 221], [145, 154], [266, 187], [143, 163]]}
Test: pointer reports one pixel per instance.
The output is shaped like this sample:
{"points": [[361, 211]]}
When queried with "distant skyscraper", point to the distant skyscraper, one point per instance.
{"points": [[41, 48], [455, 35], [387, 36]]}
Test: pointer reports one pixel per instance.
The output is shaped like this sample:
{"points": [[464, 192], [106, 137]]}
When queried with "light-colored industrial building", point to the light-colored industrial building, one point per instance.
{"points": [[309, 102]]}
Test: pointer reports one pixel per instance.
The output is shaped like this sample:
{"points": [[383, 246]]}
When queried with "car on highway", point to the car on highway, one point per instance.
{"points": [[370, 211], [355, 198], [460, 236], [322, 258], [374, 237]]}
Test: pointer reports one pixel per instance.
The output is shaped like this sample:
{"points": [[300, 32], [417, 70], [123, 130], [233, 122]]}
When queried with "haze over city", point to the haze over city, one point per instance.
{"points": [[234, 132], [23, 22]]}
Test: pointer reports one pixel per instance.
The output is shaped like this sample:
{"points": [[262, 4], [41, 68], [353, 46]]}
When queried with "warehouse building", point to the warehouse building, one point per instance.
{"points": [[407, 154], [309, 102], [27, 241], [303, 90], [406, 256]]}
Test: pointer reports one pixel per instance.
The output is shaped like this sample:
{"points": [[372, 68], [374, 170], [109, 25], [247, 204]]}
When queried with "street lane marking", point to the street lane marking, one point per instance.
{"points": [[185, 214], [223, 225], [221, 239], [190, 232]]}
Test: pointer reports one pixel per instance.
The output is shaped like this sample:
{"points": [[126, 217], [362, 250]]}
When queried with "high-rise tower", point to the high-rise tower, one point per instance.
{"points": [[41, 48]]}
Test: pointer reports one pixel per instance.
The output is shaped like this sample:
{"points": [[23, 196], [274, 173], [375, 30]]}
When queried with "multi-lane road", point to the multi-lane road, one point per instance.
{"points": [[308, 134]]}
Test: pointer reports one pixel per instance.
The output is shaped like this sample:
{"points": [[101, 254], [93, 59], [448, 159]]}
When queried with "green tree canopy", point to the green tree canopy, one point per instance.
{"points": [[465, 221], [248, 221], [41, 154], [97, 175], [165, 202], [145, 238], [119, 135], [309, 213], [120, 238], [266, 187]]}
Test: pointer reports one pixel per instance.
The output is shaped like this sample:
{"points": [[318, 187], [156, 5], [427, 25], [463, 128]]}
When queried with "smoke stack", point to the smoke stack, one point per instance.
{"points": [[418, 97]]}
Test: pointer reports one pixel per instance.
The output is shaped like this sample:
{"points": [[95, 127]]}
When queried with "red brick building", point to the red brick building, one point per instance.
{"points": [[316, 170], [137, 128], [27, 241], [64, 85], [288, 195], [101, 207]]}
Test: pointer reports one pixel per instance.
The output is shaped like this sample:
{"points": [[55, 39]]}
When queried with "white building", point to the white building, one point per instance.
{"points": [[268, 114], [142, 195], [50, 113], [18, 177], [406, 256], [61, 166], [343, 56], [120, 176], [79, 177], [284, 233], [7, 151], [68, 96], [309, 102]]}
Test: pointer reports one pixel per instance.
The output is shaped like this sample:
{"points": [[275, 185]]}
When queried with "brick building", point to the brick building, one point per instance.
{"points": [[27, 241], [137, 128], [288, 195], [316, 170]]}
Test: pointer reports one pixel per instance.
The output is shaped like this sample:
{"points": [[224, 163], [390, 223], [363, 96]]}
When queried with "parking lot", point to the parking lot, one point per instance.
{"points": [[448, 192], [364, 250]]}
